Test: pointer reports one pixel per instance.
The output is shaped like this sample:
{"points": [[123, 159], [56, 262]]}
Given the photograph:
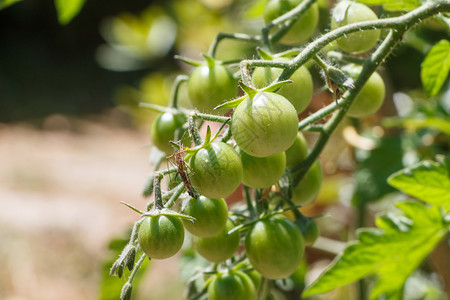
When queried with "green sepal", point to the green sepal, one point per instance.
{"points": [[263, 54], [188, 61], [232, 103], [210, 61], [275, 86], [167, 212], [251, 92]]}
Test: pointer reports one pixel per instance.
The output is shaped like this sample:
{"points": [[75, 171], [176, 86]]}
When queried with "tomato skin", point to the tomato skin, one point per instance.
{"points": [[297, 152], [217, 170], [303, 28], [209, 86], [311, 232], [299, 92], [210, 215], [353, 12], [274, 247], [163, 130], [308, 188], [371, 96], [262, 172], [161, 236], [232, 285], [220, 247], [265, 125]]}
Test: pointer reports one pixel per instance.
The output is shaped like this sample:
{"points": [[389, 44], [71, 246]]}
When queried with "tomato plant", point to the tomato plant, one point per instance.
{"points": [[161, 236], [262, 172], [260, 146], [348, 12], [216, 170], [232, 285], [210, 216], [302, 29], [299, 93], [265, 124], [274, 247], [220, 247]]}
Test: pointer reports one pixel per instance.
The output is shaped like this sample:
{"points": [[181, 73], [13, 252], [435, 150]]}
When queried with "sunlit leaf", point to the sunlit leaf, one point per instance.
{"points": [[6, 3], [428, 181], [394, 5], [435, 67], [419, 123], [390, 254], [68, 9]]}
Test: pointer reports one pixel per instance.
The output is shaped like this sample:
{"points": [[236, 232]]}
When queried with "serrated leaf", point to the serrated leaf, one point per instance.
{"points": [[68, 9], [428, 181], [435, 67], [6, 3], [390, 255], [394, 5]]}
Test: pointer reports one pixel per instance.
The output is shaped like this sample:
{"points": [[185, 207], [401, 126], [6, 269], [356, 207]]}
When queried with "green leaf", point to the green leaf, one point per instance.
{"points": [[68, 9], [415, 123], [6, 3], [435, 67], [389, 253], [394, 5], [428, 181]]}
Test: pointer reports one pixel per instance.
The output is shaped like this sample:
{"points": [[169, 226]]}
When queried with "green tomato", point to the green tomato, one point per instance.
{"points": [[370, 98], [219, 247], [161, 236], [303, 28], [231, 285], [262, 172], [275, 247], [216, 170], [163, 130], [209, 86], [349, 12], [210, 215], [264, 125], [297, 152], [311, 232], [308, 188], [299, 93]]}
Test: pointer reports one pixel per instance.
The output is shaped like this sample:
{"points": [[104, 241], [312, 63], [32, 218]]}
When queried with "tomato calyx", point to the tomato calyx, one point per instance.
{"points": [[160, 212], [250, 92]]}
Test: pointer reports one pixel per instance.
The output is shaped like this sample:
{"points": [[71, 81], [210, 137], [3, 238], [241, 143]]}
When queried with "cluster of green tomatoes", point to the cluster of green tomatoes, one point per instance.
{"points": [[258, 146]]}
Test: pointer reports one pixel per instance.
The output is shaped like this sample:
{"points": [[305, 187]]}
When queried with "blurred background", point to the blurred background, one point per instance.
{"points": [[74, 143]]}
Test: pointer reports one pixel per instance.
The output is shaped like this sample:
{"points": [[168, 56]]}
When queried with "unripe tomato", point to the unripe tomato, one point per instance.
{"points": [[232, 285], [297, 152], [303, 28], [308, 188], [348, 12], [163, 130], [262, 172], [274, 247], [371, 96], [220, 247], [264, 125], [161, 236], [216, 170], [299, 92], [210, 215], [209, 86], [311, 232]]}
